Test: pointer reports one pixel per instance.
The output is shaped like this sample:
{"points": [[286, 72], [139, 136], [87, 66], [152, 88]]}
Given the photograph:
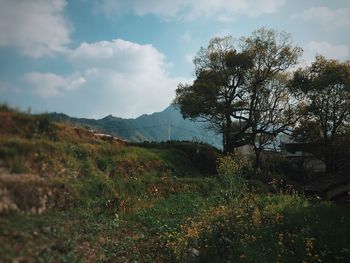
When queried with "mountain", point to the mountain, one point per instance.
{"points": [[157, 127]]}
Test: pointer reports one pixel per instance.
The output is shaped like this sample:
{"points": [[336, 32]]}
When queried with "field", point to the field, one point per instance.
{"points": [[69, 196]]}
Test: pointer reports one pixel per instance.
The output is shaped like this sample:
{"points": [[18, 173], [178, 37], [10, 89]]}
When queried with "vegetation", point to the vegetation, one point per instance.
{"points": [[152, 128], [324, 91], [68, 196], [240, 89], [244, 91]]}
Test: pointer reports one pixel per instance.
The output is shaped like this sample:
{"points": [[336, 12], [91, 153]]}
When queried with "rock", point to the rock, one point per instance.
{"points": [[227, 240], [193, 252]]}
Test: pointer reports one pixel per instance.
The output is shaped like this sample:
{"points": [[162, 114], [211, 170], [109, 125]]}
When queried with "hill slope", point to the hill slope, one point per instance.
{"points": [[67, 195], [156, 127]]}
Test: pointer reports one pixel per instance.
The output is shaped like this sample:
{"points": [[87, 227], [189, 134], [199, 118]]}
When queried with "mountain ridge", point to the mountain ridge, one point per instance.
{"points": [[155, 127]]}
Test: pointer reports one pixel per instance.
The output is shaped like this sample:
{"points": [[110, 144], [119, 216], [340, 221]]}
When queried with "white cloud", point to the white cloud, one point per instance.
{"points": [[223, 10], [223, 33], [189, 58], [186, 37], [50, 85], [325, 16], [35, 27], [139, 7], [328, 50], [225, 18], [119, 55], [134, 75], [340, 52], [120, 77]]}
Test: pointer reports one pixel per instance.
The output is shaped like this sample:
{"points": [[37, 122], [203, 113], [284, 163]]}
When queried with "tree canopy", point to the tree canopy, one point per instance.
{"points": [[239, 86], [324, 91]]}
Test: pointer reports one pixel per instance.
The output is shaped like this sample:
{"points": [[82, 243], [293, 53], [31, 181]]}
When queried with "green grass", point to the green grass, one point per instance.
{"points": [[111, 188], [61, 235], [153, 203], [260, 228], [157, 227]]}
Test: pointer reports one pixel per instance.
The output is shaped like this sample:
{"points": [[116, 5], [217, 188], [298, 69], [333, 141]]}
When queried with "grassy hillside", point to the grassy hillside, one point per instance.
{"points": [[69, 196]]}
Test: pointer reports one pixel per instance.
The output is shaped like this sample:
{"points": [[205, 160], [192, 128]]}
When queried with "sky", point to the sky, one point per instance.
{"points": [[92, 58]]}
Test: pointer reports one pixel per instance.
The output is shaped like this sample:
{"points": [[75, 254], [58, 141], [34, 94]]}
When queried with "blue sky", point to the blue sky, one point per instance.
{"points": [[91, 58]]}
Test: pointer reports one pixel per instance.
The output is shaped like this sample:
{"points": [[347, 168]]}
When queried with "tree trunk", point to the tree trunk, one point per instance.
{"points": [[329, 156], [228, 145], [224, 145], [330, 163], [228, 134], [257, 158]]}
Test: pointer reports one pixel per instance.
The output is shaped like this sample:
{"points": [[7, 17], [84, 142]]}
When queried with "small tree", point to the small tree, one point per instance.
{"points": [[324, 89], [232, 171]]}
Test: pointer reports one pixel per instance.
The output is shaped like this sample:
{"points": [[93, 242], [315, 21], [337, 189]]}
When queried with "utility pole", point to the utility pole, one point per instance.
{"points": [[169, 132]]}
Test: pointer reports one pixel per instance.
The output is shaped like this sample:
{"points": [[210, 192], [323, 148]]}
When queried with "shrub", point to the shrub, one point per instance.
{"points": [[43, 123], [4, 107], [276, 228], [104, 163], [232, 170]]}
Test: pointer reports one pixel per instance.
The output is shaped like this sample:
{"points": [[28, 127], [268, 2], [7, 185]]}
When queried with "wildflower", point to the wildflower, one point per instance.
{"points": [[309, 246], [256, 216]]}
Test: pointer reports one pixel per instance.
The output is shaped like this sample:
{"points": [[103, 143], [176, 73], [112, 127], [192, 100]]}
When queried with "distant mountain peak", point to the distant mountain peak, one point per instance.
{"points": [[110, 117], [158, 126]]}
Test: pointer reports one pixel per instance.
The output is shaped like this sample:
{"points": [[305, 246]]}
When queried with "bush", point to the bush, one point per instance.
{"points": [[104, 164], [43, 123], [276, 228], [232, 171], [4, 107], [202, 157]]}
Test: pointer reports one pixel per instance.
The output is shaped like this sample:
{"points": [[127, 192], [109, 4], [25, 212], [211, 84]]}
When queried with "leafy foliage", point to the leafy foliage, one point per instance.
{"points": [[232, 171], [324, 91], [232, 82]]}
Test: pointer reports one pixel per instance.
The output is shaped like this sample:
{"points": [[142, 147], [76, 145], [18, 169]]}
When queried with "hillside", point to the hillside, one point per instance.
{"points": [[67, 195], [155, 127]]}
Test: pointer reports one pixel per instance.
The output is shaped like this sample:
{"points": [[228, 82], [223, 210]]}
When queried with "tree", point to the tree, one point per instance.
{"points": [[230, 80], [218, 94], [274, 113], [324, 88]]}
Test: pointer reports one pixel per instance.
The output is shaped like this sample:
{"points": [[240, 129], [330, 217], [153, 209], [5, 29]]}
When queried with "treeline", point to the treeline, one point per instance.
{"points": [[249, 91]]}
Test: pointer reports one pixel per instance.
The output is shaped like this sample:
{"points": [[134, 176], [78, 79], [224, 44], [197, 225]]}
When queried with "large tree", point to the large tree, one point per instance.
{"points": [[219, 92], [231, 77], [324, 90]]}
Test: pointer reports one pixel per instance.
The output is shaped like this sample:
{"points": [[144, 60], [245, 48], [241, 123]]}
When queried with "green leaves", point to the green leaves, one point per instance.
{"points": [[325, 112], [230, 78]]}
